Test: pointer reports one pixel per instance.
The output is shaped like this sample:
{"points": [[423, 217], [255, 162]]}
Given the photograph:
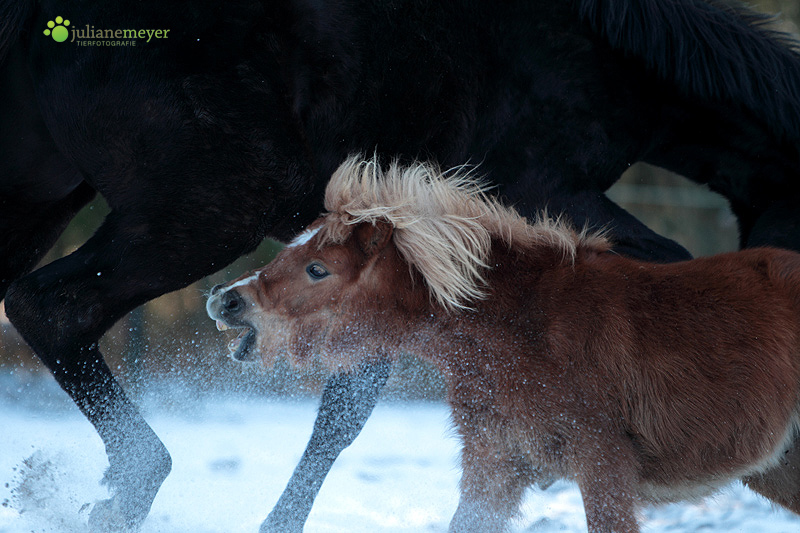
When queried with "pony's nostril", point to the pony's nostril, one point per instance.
{"points": [[232, 303], [215, 289]]}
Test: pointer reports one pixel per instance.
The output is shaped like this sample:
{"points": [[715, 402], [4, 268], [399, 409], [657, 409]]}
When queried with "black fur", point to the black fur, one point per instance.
{"points": [[226, 132], [708, 50]]}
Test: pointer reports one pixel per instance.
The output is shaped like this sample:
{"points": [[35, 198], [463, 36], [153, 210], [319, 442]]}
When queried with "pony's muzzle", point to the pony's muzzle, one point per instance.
{"points": [[226, 306]]}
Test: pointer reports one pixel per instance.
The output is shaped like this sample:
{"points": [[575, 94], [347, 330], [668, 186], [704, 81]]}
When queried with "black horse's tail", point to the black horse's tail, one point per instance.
{"points": [[13, 16], [710, 49]]}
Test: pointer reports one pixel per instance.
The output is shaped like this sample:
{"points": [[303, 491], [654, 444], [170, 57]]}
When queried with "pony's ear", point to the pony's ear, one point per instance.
{"points": [[373, 237]]}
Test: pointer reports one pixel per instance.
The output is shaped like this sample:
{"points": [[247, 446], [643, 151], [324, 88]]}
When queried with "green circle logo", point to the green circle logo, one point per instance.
{"points": [[58, 29]]}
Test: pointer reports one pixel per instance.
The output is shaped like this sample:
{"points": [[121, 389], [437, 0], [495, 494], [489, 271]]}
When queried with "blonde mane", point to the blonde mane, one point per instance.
{"points": [[444, 222]]}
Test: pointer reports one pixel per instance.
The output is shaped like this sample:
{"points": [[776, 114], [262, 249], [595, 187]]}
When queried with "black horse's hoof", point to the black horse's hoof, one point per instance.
{"points": [[134, 484], [107, 516]]}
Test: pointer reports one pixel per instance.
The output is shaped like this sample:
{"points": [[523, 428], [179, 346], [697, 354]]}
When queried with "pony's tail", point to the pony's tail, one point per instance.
{"points": [[710, 49], [14, 15]]}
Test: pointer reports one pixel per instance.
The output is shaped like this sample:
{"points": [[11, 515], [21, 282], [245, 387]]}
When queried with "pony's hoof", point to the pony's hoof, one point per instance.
{"points": [[107, 517]]}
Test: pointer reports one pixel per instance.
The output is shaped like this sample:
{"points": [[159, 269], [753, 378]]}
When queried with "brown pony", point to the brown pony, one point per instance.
{"points": [[641, 382]]}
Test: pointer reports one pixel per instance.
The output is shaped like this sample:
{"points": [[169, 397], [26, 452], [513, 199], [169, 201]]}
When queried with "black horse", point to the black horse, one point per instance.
{"points": [[208, 137]]}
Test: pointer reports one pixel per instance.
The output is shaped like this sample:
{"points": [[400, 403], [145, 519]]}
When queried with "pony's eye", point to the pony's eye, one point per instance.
{"points": [[316, 271]]}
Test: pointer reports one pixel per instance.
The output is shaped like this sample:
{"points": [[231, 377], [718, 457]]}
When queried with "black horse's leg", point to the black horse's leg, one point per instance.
{"points": [[778, 225], [628, 235], [63, 308], [29, 229], [39, 305], [347, 403]]}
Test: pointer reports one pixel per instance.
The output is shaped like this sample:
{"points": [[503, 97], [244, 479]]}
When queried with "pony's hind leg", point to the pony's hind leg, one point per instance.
{"points": [[781, 483]]}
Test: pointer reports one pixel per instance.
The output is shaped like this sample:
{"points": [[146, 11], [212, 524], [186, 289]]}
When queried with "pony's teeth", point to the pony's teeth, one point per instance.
{"points": [[234, 345], [221, 326]]}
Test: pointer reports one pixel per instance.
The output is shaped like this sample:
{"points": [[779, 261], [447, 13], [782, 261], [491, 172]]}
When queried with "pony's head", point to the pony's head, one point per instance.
{"points": [[395, 244]]}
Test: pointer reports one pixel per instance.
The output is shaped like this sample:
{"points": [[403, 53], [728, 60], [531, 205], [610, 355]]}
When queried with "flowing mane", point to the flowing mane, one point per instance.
{"points": [[444, 222]]}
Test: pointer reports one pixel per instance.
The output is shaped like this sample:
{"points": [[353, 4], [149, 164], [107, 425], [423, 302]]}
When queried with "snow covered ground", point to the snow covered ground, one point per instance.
{"points": [[233, 457]]}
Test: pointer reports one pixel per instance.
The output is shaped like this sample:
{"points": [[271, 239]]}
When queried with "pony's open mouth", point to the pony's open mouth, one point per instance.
{"points": [[241, 347]]}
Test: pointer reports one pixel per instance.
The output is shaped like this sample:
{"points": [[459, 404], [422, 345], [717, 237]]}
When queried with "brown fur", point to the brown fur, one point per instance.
{"points": [[641, 382]]}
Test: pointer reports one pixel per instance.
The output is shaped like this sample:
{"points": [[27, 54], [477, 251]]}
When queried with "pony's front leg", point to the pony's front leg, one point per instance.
{"points": [[606, 475], [609, 509], [491, 491], [347, 403]]}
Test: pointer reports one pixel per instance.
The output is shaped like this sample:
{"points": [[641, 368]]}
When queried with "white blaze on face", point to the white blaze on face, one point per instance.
{"points": [[303, 238], [241, 282]]}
